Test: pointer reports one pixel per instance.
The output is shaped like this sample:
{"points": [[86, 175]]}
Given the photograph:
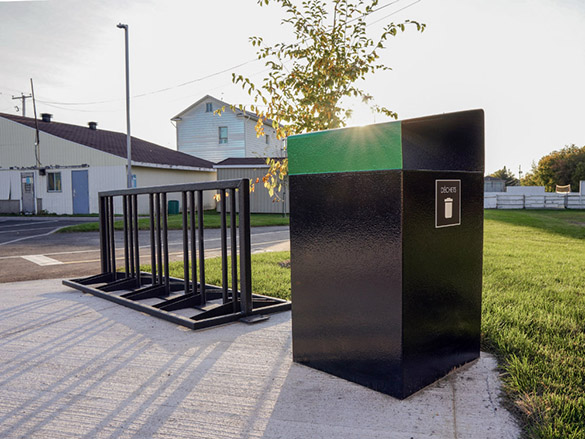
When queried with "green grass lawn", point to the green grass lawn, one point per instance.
{"points": [[211, 219], [533, 312], [268, 276], [534, 315]]}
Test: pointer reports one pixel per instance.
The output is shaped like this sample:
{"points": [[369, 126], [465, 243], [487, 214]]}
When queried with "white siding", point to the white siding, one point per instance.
{"points": [[10, 191], [4, 186], [100, 178], [198, 133], [57, 202], [260, 200], [10, 181], [159, 177], [257, 146], [105, 178]]}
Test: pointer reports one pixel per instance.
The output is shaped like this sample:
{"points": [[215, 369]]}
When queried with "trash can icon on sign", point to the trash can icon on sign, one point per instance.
{"points": [[447, 203], [448, 208]]}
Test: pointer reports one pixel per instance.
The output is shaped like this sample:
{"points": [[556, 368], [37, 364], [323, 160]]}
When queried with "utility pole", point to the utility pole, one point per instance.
{"points": [[128, 141], [23, 98]]}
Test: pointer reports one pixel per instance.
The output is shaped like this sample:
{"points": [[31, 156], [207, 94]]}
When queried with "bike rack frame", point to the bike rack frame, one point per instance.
{"points": [[214, 305]]}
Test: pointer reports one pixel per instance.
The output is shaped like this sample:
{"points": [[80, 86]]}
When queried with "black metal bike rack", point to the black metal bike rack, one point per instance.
{"points": [[214, 305]]}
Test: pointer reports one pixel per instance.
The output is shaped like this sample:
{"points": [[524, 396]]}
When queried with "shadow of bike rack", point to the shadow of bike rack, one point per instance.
{"points": [[172, 298]]}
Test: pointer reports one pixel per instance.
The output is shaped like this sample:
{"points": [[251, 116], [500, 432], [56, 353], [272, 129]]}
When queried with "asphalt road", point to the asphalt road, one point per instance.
{"points": [[30, 249]]}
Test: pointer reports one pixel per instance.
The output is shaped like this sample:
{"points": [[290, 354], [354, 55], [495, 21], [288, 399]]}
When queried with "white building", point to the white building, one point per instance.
{"points": [[73, 163], [202, 133], [254, 169]]}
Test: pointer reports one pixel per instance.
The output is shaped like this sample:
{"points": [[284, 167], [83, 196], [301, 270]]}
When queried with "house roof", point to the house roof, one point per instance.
{"points": [[244, 162], [249, 114], [114, 143]]}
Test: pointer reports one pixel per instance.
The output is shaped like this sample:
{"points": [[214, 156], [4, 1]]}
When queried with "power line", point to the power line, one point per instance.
{"points": [[395, 12], [195, 80], [374, 10], [76, 109], [78, 103], [154, 91], [384, 6], [56, 104]]}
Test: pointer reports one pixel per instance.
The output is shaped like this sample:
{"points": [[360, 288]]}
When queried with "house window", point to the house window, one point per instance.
{"points": [[208, 107], [223, 135], [53, 182], [267, 139]]}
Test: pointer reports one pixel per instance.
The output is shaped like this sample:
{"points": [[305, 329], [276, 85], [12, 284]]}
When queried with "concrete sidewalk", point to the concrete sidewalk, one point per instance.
{"points": [[76, 366]]}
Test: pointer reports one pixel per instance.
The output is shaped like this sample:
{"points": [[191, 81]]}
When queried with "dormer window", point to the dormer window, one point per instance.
{"points": [[208, 107]]}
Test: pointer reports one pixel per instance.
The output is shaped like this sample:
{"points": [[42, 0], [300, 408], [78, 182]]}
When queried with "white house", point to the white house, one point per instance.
{"points": [[202, 133], [71, 164]]}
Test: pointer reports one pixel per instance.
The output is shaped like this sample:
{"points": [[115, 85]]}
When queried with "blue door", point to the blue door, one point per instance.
{"points": [[80, 189]]}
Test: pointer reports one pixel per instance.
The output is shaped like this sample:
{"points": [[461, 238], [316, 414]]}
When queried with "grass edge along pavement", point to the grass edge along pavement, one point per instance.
{"points": [[211, 219], [533, 316]]}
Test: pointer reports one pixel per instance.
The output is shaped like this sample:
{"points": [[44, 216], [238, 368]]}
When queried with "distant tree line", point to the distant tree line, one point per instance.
{"points": [[506, 175], [563, 167]]}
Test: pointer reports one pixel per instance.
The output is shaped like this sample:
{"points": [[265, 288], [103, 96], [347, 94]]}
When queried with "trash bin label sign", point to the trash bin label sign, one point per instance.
{"points": [[447, 203]]}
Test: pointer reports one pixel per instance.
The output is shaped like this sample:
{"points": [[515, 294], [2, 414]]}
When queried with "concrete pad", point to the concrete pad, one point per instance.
{"points": [[76, 366]]}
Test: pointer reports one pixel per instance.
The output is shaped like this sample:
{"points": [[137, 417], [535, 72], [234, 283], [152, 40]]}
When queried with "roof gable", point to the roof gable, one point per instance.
{"points": [[207, 98], [112, 142], [242, 161]]}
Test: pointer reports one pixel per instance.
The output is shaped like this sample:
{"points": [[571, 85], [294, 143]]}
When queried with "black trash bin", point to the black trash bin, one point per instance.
{"points": [[386, 249]]}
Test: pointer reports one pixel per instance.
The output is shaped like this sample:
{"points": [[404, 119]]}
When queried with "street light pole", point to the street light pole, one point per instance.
{"points": [[128, 142]]}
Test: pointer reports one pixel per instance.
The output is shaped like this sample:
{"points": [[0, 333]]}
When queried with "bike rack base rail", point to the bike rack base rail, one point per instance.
{"points": [[206, 316]]}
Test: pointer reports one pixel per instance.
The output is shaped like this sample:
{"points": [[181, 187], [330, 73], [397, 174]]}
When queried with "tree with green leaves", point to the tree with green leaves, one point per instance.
{"points": [[530, 178], [562, 167], [506, 175], [308, 79]]}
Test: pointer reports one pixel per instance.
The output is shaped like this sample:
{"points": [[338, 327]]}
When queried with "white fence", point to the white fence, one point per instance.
{"points": [[503, 200]]}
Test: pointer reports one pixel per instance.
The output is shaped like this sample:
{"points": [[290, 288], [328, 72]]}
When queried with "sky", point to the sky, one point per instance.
{"points": [[522, 61]]}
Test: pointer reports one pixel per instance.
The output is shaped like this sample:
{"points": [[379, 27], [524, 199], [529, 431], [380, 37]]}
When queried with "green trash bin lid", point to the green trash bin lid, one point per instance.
{"points": [[372, 148], [441, 142]]}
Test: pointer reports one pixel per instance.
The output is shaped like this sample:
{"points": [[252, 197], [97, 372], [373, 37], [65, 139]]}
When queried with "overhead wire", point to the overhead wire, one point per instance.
{"points": [[394, 13], [151, 92], [60, 104], [76, 109], [374, 10], [195, 80]]}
